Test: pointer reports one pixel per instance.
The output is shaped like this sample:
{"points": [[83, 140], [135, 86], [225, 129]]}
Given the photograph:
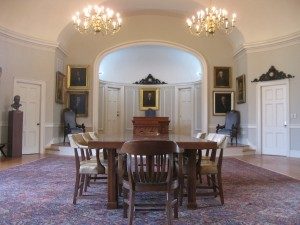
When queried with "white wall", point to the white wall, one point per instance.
{"points": [[253, 64], [130, 64], [87, 49], [22, 60]]}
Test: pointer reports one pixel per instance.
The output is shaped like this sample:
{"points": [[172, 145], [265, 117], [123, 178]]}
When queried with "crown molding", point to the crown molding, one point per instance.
{"points": [[33, 41], [270, 44]]}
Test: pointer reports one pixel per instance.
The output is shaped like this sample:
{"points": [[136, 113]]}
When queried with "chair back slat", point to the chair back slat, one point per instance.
{"points": [[150, 161]]}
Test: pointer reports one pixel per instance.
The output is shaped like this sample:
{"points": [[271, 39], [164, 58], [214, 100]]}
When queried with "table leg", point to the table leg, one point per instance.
{"points": [[112, 192], [191, 188]]}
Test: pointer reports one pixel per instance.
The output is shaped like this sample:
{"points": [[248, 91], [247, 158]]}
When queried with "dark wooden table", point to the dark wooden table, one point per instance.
{"points": [[114, 142]]}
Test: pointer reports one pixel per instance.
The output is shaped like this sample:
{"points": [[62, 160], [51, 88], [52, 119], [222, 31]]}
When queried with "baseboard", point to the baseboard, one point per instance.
{"points": [[295, 153]]}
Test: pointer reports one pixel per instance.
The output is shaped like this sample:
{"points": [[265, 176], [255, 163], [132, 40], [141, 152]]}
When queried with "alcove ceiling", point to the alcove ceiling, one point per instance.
{"points": [[170, 64], [257, 20]]}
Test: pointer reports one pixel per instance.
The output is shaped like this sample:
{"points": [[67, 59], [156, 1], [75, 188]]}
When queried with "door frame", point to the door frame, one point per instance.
{"points": [[42, 85], [121, 105], [259, 111], [177, 89]]}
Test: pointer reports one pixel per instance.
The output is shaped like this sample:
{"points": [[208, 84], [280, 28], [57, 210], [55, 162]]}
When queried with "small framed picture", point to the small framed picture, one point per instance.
{"points": [[241, 89], [149, 98], [59, 88], [223, 102], [77, 77], [222, 77], [78, 102]]}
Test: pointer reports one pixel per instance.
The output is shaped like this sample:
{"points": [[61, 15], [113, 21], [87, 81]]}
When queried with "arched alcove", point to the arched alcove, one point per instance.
{"points": [[183, 51]]}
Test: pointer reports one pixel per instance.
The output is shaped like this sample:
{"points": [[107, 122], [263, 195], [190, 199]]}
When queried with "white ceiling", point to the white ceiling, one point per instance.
{"points": [[258, 20]]}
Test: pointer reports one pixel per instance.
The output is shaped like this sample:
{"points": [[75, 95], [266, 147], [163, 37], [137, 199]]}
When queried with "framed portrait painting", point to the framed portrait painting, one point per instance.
{"points": [[149, 98], [59, 88], [77, 77], [241, 89], [222, 77], [223, 102], [78, 102]]}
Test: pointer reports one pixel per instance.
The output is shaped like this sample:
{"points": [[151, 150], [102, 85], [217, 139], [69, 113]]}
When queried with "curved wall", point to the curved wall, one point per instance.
{"points": [[128, 65]]}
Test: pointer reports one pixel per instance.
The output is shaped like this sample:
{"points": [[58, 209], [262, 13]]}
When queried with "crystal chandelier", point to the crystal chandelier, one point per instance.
{"points": [[209, 21], [97, 19]]}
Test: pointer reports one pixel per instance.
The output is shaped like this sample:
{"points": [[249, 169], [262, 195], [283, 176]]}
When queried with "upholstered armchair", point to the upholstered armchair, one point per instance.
{"points": [[231, 126], [70, 124]]}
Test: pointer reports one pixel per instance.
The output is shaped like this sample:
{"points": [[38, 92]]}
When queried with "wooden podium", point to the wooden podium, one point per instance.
{"points": [[150, 126], [15, 131]]}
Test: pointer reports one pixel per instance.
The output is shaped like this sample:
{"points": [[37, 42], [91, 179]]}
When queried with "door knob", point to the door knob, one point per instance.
{"points": [[38, 124]]}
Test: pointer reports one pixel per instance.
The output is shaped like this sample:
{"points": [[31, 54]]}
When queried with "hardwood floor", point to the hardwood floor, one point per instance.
{"points": [[6, 163], [279, 164], [283, 165]]}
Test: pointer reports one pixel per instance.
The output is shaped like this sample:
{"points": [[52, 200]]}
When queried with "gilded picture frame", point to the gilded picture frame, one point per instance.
{"points": [[78, 102], [222, 77], [241, 89], [223, 102], [77, 77], [149, 98], [60, 88]]}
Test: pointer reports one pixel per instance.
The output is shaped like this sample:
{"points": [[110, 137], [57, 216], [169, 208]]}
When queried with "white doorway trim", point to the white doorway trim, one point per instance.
{"points": [[204, 82], [42, 84], [259, 111]]}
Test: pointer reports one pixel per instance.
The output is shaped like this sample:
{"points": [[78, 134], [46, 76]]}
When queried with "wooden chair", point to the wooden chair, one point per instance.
{"points": [[1, 149], [70, 124], [211, 167], [150, 168], [231, 126], [200, 135], [85, 165]]}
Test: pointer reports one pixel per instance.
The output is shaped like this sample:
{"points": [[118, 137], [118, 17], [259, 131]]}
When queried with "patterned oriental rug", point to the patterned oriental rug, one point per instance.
{"points": [[41, 193]]}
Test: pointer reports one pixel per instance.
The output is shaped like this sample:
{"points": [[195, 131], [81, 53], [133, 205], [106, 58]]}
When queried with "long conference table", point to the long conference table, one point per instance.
{"points": [[114, 142]]}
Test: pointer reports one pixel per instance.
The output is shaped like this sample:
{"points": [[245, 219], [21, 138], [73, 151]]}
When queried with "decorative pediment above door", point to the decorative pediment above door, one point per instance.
{"points": [[273, 74], [150, 80]]}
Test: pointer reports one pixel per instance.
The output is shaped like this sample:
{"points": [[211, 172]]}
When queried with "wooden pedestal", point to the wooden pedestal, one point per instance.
{"points": [[149, 126], [15, 131]]}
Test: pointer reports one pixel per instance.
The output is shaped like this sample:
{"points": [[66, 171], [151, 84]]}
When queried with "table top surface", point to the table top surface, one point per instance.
{"points": [[183, 141]]}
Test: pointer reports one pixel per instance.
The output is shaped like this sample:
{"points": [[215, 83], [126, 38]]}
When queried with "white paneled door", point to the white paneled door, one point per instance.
{"points": [[185, 111], [31, 105], [113, 121], [274, 120]]}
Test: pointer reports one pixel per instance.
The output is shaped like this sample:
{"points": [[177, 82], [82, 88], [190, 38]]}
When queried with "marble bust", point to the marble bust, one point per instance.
{"points": [[16, 105]]}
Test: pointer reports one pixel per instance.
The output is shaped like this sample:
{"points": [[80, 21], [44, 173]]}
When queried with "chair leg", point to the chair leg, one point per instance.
{"points": [[208, 180], [168, 209], [131, 207], [86, 182], [176, 204], [125, 204], [77, 179], [214, 183], [220, 188], [81, 184]]}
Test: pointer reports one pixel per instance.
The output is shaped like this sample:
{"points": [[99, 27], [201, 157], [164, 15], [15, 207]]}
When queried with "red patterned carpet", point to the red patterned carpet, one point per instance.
{"points": [[41, 193]]}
